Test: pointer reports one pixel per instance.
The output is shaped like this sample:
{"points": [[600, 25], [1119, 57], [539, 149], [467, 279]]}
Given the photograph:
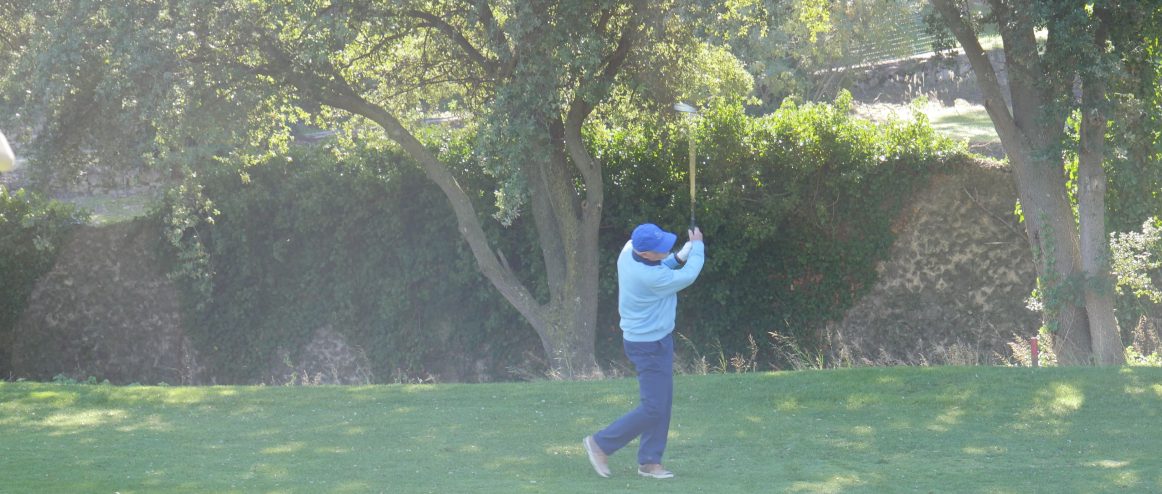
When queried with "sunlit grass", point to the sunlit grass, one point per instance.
{"points": [[963, 121], [969, 429], [114, 207]]}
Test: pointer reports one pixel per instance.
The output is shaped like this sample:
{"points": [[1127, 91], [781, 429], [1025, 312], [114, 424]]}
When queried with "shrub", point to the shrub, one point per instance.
{"points": [[796, 206], [1137, 261], [1137, 265]]}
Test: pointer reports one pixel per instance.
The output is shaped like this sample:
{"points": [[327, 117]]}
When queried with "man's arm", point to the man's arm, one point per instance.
{"points": [[682, 274], [673, 280]]}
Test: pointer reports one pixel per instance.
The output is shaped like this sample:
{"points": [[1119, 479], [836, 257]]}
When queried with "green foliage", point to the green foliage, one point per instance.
{"points": [[31, 232], [1134, 167], [100, 86], [1136, 359], [1137, 266], [66, 380], [1137, 261], [365, 245], [796, 206]]}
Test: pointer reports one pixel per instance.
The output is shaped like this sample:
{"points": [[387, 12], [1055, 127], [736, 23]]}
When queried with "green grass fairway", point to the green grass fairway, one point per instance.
{"points": [[114, 207], [892, 430], [963, 121]]}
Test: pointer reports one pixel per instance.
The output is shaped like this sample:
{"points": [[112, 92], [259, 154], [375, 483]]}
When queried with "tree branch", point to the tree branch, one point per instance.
{"points": [[334, 91], [375, 48], [994, 215], [579, 108], [994, 99], [603, 21], [506, 60], [501, 276], [457, 37]]}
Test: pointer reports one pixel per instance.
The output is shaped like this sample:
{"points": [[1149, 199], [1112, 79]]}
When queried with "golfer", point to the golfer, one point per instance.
{"points": [[649, 278]]}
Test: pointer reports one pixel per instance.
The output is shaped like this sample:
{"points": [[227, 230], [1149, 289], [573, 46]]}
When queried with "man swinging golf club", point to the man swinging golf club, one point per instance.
{"points": [[649, 278]]}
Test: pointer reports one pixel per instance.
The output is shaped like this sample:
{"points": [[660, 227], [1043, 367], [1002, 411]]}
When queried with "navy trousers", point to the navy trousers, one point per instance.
{"points": [[654, 362]]}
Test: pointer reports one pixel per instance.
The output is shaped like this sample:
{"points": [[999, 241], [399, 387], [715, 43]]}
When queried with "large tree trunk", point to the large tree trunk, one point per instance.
{"points": [[569, 248], [567, 229], [1032, 144], [1095, 251], [1029, 132], [1049, 225], [571, 254], [1091, 190]]}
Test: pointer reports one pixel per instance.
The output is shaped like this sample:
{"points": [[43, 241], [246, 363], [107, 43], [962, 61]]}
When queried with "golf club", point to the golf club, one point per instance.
{"points": [[691, 112], [7, 159]]}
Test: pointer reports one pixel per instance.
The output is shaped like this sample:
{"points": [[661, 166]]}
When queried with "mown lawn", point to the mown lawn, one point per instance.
{"points": [[969, 122], [936, 429]]}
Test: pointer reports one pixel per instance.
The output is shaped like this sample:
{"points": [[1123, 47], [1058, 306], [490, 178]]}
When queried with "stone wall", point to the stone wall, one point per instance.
{"points": [[106, 310], [944, 79], [955, 286]]}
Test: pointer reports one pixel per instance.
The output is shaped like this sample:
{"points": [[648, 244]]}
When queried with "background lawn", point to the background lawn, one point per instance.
{"points": [[935, 429], [961, 121]]}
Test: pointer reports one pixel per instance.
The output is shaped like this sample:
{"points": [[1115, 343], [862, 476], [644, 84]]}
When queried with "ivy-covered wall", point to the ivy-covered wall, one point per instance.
{"points": [[309, 247]]}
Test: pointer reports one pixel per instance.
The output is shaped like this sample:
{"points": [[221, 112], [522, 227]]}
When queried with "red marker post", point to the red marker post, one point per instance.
{"points": [[1034, 352]]}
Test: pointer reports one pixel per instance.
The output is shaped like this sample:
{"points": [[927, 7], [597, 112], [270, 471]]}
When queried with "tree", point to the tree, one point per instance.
{"points": [[805, 48], [1078, 54], [527, 74]]}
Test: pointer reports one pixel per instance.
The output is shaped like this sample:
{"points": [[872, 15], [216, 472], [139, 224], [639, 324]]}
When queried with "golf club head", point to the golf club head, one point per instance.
{"points": [[684, 108]]}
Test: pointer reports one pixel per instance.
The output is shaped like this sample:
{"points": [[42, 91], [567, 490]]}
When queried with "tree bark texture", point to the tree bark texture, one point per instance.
{"points": [[1091, 192]]}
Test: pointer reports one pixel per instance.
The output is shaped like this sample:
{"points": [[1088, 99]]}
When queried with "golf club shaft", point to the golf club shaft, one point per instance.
{"points": [[693, 158]]}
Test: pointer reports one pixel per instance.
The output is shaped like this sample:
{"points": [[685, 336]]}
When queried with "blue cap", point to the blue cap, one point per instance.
{"points": [[648, 237]]}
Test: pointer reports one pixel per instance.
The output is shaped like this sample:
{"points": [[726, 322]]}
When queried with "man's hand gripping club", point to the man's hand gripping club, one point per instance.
{"points": [[693, 235]]}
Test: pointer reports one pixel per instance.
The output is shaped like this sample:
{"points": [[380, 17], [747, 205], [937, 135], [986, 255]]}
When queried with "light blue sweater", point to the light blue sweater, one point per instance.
{"points": [[647, 292]]}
